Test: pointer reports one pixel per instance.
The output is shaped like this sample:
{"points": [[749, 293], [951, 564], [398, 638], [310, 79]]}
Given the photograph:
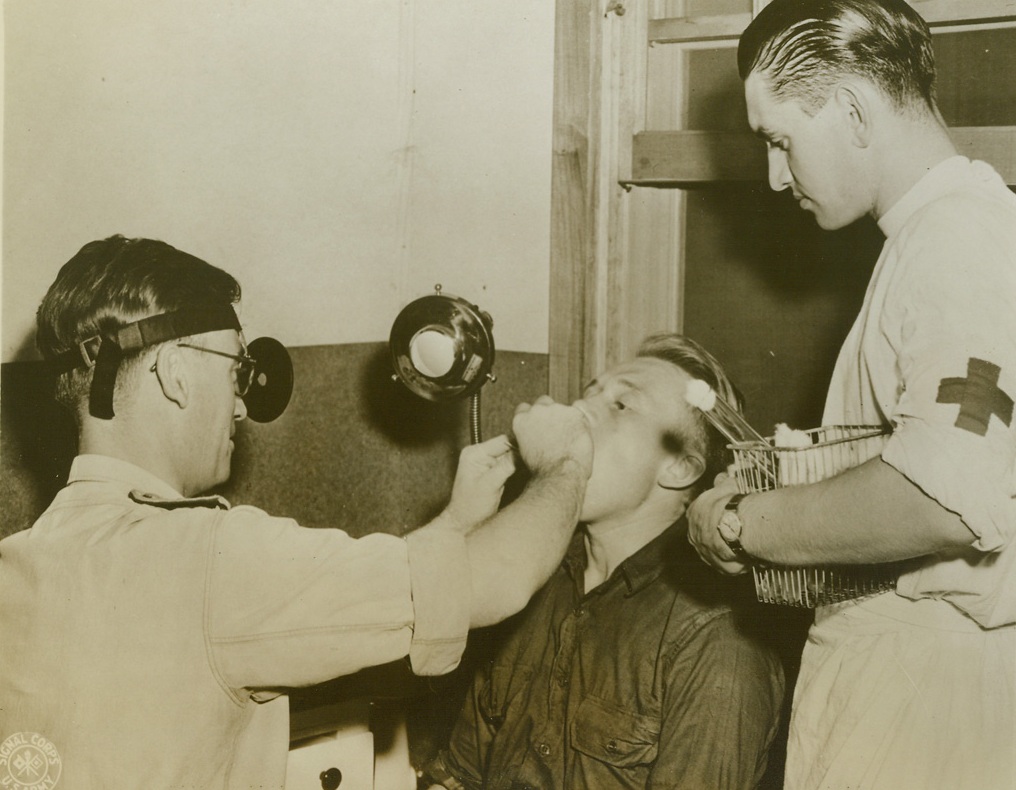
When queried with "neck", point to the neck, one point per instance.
{"points": [[610, 544], [914, 147], [115, 439]]}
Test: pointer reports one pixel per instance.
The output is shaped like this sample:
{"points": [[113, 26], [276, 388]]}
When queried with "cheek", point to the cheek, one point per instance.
{"points": [[605, 460], [624, 454], [804, 166], [609, 440]]}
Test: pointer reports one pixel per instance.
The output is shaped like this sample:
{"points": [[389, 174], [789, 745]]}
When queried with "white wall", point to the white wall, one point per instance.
{"points": [[339, 158]]}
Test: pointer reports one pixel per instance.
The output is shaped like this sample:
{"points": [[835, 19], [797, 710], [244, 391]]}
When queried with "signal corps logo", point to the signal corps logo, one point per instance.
{"points": [[29, 762]]}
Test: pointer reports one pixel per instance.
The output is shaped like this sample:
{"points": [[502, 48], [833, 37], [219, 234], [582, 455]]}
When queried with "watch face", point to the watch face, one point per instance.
{"points": [[729, 526]]}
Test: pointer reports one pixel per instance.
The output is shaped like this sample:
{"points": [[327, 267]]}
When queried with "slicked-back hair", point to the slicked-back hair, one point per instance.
{"points": [[114, 282], [693, 359], [802, 48]]}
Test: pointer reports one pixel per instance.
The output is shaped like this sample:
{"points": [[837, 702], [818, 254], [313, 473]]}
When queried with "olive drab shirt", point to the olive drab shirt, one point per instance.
{"points": [[652, 679]]}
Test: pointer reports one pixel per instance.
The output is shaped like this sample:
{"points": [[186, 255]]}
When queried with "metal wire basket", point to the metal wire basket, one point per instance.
{"points": [[833, 449]]}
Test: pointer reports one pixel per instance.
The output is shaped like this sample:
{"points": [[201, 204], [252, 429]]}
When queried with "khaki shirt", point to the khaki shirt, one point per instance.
{"points": [[145, 637]]}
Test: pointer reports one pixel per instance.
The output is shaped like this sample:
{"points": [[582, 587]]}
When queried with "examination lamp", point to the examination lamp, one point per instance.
{"points": [[443, 349]]}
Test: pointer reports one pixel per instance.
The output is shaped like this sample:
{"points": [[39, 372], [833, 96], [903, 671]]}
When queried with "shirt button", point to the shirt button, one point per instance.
{"points": [[562, 682], [543, 749], [612, 746]]}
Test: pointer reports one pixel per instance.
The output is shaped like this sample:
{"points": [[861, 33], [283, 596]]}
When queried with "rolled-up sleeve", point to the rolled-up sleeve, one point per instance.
{"points": [[955, 432], [955, 435], [287, 605], [439, 574]]}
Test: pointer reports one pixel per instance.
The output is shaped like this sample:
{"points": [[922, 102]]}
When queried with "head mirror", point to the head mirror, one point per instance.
{"points": [[272, 384]]}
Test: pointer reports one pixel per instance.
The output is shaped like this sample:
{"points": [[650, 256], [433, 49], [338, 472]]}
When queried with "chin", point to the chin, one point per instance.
{"points": [[221, 476], [828, 221]]}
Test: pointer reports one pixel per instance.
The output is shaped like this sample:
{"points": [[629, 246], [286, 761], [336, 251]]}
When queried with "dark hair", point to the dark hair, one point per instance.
{"points": [[114, 282], [803, 47], [698, 363]]}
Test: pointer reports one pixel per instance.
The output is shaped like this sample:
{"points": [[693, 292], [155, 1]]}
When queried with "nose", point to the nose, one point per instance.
{"points": [[239, 409], [779, 171]]}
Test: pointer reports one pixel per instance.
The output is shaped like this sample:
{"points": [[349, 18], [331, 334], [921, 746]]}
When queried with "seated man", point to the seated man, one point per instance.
{"points": [[630, 668]]}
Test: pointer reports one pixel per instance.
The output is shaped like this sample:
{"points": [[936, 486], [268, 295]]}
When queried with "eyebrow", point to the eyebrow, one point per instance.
{"points": [[631, 388], [624, 381]]}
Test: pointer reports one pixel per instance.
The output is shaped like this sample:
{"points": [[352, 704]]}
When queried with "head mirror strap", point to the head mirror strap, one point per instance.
{"points": [[140, 334]]}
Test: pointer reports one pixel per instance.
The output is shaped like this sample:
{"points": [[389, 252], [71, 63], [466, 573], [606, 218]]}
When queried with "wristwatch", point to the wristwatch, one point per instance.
{"points": [[730, 528]]}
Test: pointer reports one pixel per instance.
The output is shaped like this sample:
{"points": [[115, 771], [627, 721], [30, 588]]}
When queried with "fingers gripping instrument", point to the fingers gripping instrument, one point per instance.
{"points": [[271, 382]]}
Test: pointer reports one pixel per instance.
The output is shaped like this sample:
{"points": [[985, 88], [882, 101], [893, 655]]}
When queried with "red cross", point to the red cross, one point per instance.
{"points": [[978, 395]]}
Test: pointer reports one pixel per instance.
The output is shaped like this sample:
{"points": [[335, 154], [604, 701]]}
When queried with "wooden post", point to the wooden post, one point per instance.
{"points": [[599, 102]]}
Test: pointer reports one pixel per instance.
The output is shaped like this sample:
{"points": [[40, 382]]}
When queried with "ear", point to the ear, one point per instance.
{"points": [[171, 371], [855, 104], [682, 471]]}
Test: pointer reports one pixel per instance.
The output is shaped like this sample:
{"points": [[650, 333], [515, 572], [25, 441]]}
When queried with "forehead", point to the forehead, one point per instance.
{"points": [[766, 113], [659, 383], [756, 93]]}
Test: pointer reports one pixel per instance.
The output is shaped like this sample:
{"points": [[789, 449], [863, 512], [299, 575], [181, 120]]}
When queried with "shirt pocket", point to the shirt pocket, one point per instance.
{"points": [[614, 735]]}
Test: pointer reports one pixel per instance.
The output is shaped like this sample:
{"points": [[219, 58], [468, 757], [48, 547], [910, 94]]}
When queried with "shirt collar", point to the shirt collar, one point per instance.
{"points": [[645, 565], [123, 474], [939, 180], [641, 568]]}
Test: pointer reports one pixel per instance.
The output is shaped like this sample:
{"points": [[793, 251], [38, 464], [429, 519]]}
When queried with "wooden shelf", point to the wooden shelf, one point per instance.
{"points": [[687, 158], [681, 158], [937, 13], [678, 30]]}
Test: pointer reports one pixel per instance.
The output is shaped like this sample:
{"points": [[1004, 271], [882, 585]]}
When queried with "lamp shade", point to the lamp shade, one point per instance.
{"points": [[442, 347]]}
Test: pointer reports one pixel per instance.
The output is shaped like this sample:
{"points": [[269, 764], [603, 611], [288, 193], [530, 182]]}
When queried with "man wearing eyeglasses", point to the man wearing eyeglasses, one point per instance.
{"points": [[146, 631]]}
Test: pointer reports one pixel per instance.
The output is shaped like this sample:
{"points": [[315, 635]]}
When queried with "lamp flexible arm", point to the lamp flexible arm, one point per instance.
{"points": [[474, 418]]}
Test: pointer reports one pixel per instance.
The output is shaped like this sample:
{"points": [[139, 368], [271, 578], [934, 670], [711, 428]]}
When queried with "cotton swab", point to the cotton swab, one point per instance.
{"points": [[724, 417], [732, 425]]}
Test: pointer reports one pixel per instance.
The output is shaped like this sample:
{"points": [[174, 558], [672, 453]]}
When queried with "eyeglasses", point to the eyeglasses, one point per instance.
{"points": [[245, 367]]}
